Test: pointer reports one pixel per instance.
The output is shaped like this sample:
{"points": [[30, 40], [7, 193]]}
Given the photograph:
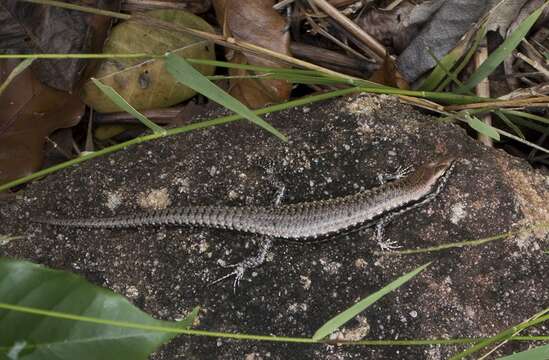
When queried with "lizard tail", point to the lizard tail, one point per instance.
{"points": [[118, 222]]}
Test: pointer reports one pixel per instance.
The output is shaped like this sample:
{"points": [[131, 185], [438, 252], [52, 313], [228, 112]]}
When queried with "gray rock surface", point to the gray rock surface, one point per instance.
{"points": [[336, 148]]}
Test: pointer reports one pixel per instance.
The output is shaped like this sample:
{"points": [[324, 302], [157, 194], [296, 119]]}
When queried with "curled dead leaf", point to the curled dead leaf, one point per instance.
{"points": [[30, 112], [146, 84], [258, 23]]}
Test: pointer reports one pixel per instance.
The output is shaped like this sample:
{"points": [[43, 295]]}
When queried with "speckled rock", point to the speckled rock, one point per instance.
{"points": [[336, 148]]}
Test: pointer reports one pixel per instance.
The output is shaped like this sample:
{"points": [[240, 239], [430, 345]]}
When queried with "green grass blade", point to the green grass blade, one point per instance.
{"points": [[124, 105], [264, 69], [529, 124], [476, 43], [465, 243], [481, 127], [504, 335], [504, 50], [441, 70], [16, 71], [537, 353], [183, 72], [334, 323], [79, 56], [238, 336], [441, 75], [509, 123], [526, 115], [179, 130], [525, 142]]}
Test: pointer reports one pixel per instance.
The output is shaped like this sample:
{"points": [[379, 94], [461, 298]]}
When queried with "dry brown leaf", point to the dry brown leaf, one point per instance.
{"points": [[48, 29], [30, 112], [391, 27], [388, 74], [258, 23], [194, 6]]}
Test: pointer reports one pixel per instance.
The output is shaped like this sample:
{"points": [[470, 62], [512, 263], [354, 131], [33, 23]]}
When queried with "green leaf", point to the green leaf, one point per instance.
{"points": [[183, 72], [537, 353], [442, 69], [503, 51], [123, 104], [509, 123], [480, 34], [526, 115], [506, 334], [339, 320], [16, 71], [481, 127], [41, 291]]}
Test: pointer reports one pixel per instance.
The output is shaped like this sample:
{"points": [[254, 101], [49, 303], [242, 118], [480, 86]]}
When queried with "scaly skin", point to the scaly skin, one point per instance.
{"points": [[307, 221]]}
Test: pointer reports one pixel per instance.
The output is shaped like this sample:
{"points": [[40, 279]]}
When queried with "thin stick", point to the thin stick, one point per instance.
{"points": [[483, 90], [536, 65], [87, 9], [378, 49], [534, 101]]}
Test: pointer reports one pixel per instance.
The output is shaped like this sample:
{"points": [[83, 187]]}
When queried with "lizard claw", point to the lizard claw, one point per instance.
{"points": [[400, 172], [249, 263], [388, 245], [403, 171], [238, 274], [385, 245]]}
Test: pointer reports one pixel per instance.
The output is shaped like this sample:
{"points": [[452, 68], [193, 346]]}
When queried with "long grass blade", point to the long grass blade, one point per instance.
{"points": [[466, 243], [504, 335], [509, 123], [503, 51], [124, 105], [175, 131], [16, 71], [482, 127], [481, 33], [526, 115], [442, 69], [334, 323], [183, 72]]}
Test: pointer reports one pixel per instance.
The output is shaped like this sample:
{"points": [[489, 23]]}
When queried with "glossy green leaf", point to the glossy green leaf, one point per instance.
{"points": [[183, 72], [334, 323], [124, 105], [537, 353], [482, 128], [502, 52], [34, 336]]}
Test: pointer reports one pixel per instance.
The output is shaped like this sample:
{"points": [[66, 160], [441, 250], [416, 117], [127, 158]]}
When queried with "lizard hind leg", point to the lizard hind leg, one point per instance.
{"points": [[248, 263], [385, 245]]}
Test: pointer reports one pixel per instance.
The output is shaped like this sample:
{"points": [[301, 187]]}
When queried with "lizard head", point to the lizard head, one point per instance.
{"points": [[434, 174]]}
